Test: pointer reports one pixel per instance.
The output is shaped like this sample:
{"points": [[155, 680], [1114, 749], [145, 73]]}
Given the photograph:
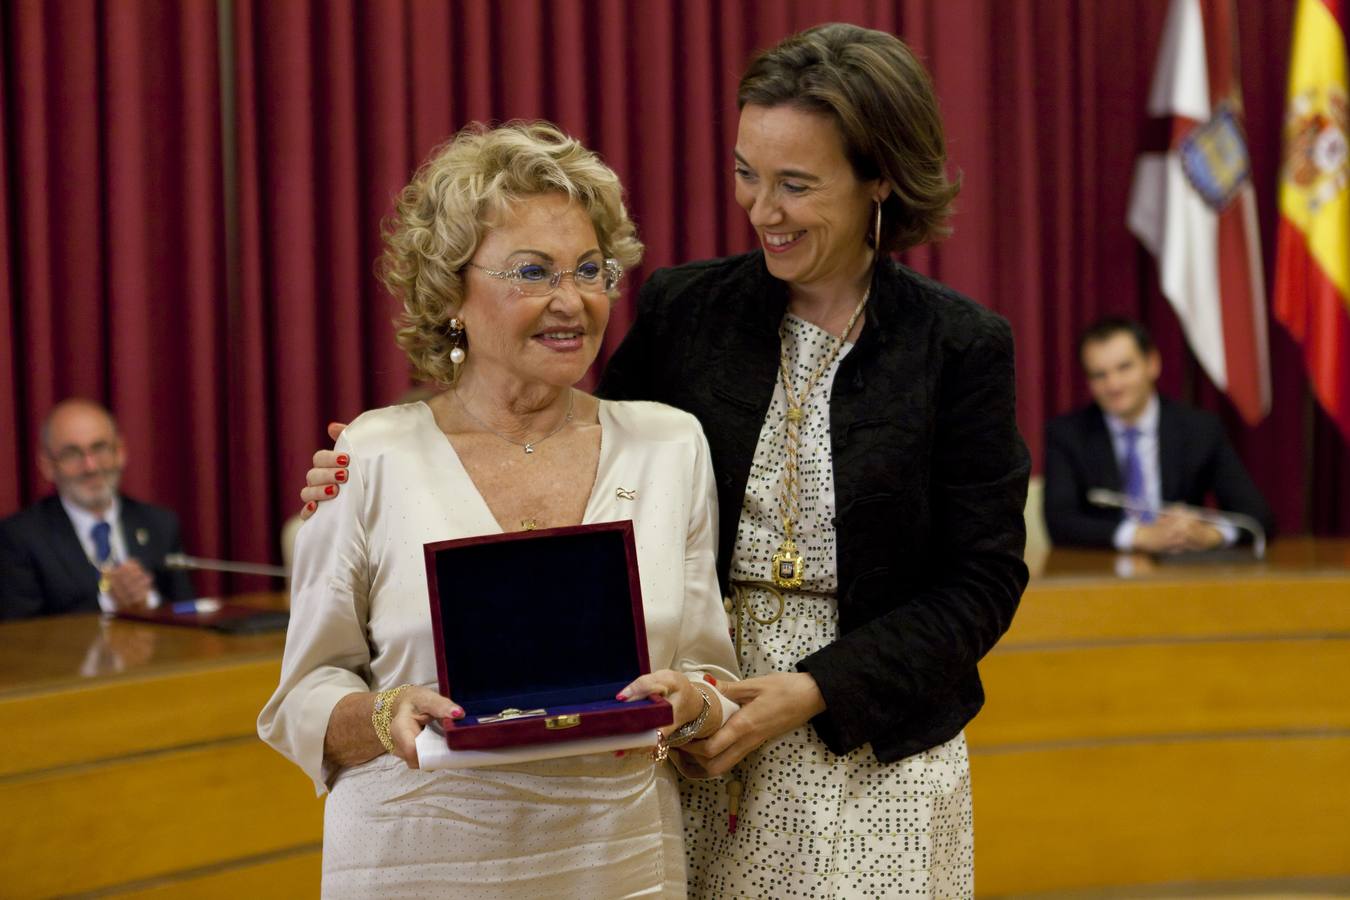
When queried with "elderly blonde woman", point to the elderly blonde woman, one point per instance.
{"points": [[505, 251]]}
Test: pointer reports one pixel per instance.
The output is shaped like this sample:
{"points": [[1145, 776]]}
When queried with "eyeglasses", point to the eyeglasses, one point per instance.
{"points": [[538, 280], [70, 455]]}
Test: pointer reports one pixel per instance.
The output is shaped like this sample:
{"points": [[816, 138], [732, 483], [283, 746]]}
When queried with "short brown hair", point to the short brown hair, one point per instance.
{"points": [[882, 99], [1108, 327], [443, 214]]}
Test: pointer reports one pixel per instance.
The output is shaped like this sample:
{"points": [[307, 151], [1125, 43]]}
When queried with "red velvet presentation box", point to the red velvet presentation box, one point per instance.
{"points": [[535, 633]]}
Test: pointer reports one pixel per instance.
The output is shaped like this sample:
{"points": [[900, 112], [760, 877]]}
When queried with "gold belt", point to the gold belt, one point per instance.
{"points": [[738, 604]]}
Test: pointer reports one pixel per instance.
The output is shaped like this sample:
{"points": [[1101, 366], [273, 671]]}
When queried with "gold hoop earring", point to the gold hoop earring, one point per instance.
{"points": [[876, 230]]}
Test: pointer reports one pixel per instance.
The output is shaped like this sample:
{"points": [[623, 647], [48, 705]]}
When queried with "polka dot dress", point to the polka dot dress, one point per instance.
{"points": [[813, 824]]}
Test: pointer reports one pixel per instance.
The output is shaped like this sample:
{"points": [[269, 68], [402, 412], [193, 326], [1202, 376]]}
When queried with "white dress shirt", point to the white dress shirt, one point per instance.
{"points": [[84, 522], [1146, 447]]}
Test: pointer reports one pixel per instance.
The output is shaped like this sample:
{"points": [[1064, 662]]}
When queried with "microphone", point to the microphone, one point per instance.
{"points": [[183, 561], [1116, 500]]}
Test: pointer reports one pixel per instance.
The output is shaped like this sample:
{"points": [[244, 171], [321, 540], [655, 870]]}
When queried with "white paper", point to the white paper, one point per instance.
{"points": [[432, 752]]}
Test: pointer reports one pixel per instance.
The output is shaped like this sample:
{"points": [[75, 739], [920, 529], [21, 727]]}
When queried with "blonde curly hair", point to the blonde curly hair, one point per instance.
{"points": [[443, 214]]}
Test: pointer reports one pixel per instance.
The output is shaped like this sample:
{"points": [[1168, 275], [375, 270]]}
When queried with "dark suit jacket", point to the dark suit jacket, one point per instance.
{"points": [[44, 571], [1195, 460], [930, 478]]}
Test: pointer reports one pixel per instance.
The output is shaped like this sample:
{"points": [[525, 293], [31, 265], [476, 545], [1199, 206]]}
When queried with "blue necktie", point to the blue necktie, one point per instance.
{"points": [[102, 534], [1133, 470]]}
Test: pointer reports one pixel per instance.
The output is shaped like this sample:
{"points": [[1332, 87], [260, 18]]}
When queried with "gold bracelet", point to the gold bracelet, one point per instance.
{"points": [[383, 714], [689, 730]]}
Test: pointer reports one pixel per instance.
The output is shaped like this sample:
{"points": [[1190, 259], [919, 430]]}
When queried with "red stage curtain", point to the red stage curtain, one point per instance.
{"points": [[215, 284], [114, 275]]}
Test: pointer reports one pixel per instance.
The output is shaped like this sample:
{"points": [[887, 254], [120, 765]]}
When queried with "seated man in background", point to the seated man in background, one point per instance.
{"points": [[1156, 452], [89, 547]]}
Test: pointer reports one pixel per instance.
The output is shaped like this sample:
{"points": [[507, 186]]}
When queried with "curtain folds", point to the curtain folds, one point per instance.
{"points": [[113, 271], [206, 267]]}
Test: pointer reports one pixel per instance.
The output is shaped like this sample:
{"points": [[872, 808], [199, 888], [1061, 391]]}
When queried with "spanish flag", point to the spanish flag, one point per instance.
{"points": [[1312, 265]]}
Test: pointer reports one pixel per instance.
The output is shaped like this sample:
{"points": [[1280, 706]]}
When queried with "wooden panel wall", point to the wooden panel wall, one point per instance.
{"points": [[1181, 729], [153, 783]]}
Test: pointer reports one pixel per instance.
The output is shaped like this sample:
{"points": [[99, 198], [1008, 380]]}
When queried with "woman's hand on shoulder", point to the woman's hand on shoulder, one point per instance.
{"points": [[324, 480], [415, 708], [771, 705]]}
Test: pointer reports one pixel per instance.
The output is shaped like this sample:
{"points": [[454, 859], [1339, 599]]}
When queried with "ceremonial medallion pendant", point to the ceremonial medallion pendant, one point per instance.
{"points": [[788, 566]]}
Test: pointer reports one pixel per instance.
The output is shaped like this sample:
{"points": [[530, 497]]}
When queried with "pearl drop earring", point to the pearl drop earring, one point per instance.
{"points": [[456, 329]]}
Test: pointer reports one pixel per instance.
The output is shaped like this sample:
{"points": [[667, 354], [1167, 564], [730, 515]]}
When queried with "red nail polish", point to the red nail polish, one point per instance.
{"points": [[711, 680], [312, 505], [330, 490], [456, 713], [340, 475], [620, 753], [620, 696], [342, 459]]}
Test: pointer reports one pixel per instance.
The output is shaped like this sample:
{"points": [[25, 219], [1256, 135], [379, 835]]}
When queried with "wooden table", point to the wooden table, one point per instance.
{"points": [[132, 767], [1162, 724]]}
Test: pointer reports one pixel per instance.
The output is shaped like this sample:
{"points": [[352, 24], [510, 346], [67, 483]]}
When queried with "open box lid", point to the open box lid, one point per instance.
{"points": [[537, 618]]}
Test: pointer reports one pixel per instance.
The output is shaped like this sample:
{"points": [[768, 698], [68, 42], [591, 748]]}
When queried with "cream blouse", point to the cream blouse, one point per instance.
{"points": [[360, 616]]}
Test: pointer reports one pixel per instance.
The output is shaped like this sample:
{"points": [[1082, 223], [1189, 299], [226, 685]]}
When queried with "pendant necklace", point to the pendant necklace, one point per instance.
{"points": [[788, 566], [527, 445]]}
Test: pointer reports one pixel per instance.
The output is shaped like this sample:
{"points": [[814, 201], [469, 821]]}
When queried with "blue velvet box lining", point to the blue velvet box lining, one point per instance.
{"points": [[543, 619]]}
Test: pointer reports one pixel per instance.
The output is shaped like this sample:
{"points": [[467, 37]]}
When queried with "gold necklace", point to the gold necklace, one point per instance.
{"points": [[528, 446], [788, 566]]}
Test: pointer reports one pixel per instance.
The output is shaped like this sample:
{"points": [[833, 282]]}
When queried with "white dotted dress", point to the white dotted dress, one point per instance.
{"points": [[813, 824]]}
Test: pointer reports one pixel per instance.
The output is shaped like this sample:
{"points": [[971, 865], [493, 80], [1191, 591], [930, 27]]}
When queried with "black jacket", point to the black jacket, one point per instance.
{"points": [[930, 478], [44, 571], [1194, 460]]}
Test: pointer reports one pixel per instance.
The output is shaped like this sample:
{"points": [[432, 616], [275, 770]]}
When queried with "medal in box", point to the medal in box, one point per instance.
{"points": [[535, 633]]}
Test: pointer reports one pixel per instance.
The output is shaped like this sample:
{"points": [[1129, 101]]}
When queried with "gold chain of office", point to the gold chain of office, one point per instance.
{"points": [[787, 565]]}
